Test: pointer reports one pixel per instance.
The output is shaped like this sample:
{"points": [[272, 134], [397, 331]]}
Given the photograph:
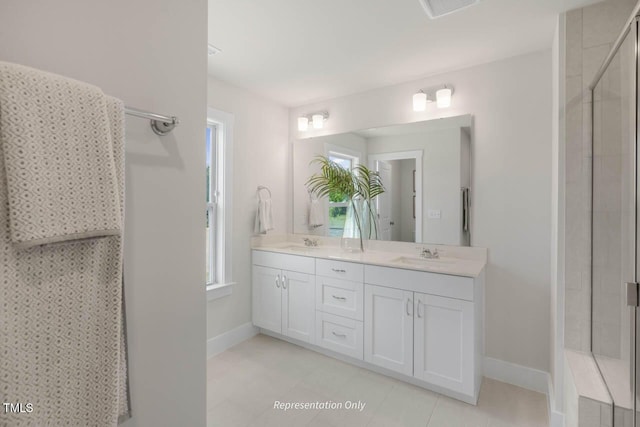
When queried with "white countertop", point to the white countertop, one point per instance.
{"points": [[397, 255]]}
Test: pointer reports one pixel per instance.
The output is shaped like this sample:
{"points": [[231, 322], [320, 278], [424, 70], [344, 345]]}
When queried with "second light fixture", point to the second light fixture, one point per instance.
{"points": [[316, 119], [442, 97]]}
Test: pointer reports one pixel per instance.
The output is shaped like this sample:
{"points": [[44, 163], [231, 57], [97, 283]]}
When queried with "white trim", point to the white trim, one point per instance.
{"points": [[219, 290], [401, 155], [338, 149], [556, 417], [518, 375], [225, 121], [529, 378], [222, 342]]}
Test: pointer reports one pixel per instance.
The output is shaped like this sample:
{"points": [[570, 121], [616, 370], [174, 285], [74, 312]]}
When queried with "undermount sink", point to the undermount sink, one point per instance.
{"points": [[424, 262]]}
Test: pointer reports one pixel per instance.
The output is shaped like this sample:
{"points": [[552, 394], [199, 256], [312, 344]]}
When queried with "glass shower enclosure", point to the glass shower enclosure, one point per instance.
{"points": [[614, 226]]}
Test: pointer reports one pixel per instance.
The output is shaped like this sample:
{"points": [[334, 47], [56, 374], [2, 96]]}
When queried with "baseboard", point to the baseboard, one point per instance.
{"points": [[230, 338], [518, 375], [525, 377]]}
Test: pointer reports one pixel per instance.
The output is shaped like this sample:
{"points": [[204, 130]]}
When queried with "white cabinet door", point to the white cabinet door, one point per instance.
{"points": [[267, 299], [443, 342], [298, 306], [388, 324]]}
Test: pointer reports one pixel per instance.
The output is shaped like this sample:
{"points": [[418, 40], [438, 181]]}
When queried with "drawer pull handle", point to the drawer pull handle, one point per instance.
{"points": [[418, 309], [339, 298], [409, 303], [284, 282], [339, 270], [338, 335], [278, 281]]}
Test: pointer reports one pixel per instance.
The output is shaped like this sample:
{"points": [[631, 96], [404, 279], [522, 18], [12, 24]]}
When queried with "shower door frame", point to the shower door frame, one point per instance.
{"points": [[632, 28]]}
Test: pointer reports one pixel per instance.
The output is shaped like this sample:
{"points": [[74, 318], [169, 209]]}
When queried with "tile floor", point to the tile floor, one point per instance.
{"points": [[244, 381]]}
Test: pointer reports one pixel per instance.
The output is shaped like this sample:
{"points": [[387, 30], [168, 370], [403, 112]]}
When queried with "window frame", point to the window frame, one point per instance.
{"points": [[222, 154], [343, 153]]}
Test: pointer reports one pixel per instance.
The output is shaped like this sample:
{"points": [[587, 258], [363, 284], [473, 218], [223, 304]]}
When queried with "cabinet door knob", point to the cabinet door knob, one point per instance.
{"points": [[278, 281]]}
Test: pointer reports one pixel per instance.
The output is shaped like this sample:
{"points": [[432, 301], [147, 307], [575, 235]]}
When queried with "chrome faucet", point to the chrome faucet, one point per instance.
{"points": [[310, 242], [426, 253]]}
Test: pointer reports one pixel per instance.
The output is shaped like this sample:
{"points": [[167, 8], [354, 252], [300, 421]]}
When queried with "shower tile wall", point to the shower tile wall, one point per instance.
{"points": [[590, 32]]}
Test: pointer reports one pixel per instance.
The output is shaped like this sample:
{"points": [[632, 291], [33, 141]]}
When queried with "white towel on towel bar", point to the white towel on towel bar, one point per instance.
{"points": [[264, 217], [61, 318]]}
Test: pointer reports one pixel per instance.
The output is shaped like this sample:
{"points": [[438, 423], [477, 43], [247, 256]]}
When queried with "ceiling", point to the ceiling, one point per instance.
{"points": [[301, 51]]}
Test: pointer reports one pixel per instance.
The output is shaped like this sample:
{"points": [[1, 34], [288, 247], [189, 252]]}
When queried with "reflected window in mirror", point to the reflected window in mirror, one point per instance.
{"points": [[338, 202]]}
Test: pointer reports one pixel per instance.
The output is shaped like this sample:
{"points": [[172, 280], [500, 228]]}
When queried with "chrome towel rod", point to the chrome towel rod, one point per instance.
{"points": [[160, 124]]}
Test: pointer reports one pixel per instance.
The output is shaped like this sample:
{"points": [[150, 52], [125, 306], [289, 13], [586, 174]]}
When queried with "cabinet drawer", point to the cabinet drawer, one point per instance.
{"points": [[301, 264], [340, 297], [339, 334], [340, 270]]}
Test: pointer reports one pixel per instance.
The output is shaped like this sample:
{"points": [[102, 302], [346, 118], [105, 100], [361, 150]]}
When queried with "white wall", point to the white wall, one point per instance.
{"points": [[511, 177], [260, 157], [151, 54]]}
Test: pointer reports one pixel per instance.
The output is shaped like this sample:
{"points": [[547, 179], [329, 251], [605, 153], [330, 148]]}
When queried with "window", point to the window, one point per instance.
{"points": [[218, 203], [338, 203]]}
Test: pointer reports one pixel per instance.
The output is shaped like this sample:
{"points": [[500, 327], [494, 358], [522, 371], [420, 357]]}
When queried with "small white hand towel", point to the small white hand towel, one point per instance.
{"points": [[264, 217], [316, 214]]}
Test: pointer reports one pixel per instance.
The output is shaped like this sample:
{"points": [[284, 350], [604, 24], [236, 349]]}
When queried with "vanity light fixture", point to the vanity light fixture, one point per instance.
{"points": [[441, 95], [420, 101], [316, 119], [303, 124]]}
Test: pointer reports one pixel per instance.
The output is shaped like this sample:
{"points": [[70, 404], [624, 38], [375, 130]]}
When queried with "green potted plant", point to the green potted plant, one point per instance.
{"points": [[359, 187]]}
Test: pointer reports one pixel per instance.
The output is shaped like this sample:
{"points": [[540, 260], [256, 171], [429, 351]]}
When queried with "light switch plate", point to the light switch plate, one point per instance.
{"points": [[433, 213]]}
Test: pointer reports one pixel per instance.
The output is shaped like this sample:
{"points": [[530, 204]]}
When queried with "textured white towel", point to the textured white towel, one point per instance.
{"points": [[58, 157], [316, 213], [61, 319]]}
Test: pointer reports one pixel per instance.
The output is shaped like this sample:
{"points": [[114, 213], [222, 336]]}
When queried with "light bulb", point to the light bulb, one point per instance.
{"points": [[303, 124], [318, 121], [419, 101], [443, 98]]}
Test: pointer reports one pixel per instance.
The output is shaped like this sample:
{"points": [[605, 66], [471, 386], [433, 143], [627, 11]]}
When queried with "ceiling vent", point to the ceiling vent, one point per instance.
{"points": [[437, 8]]}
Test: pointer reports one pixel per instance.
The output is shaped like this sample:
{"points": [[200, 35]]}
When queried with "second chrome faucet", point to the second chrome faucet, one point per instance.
{"points": [[426, 253], [310, 242]]}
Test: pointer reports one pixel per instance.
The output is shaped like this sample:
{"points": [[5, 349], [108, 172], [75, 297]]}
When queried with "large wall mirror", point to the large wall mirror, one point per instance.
{"points": [[424, 167]]}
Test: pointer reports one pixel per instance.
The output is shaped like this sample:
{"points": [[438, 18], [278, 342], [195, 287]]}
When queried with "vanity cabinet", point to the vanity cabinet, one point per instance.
{"points": [[284, 299], [425, 336], [423, 327], [426, 325]]}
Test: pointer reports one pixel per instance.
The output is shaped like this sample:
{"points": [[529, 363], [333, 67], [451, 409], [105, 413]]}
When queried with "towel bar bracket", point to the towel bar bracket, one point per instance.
{"points": [[162, 128], [160, 124]]}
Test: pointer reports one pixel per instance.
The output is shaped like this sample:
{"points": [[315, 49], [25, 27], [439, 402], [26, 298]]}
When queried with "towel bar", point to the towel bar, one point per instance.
{"points": [[160, 124]]}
